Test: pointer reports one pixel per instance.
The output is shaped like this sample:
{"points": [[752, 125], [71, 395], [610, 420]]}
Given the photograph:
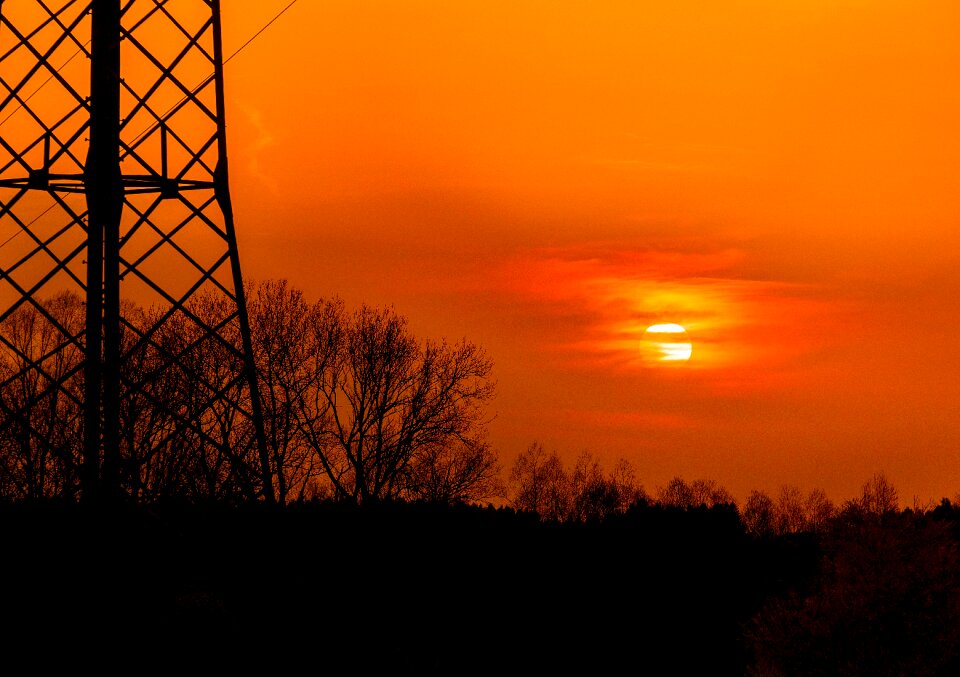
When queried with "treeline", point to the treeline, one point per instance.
{"points": [[431, 588], [540, 482], [864, 588]]}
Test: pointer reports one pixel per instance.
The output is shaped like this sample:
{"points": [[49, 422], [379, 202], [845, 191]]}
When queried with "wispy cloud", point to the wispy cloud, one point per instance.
{"points": [[743, 328], [260, 140]]}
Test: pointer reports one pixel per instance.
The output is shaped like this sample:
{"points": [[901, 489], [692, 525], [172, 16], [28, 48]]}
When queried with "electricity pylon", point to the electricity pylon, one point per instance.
{"points": [[114, 188]]}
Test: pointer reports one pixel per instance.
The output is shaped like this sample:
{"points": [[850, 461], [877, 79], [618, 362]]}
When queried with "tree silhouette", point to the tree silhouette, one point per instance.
{"points": [[595, 496], [679, 494], [386, 411], [541, 483], [290, 366], [791, 513], [790, 516], [819, 511], [40, 434], [878, 496], [355, 406], [759, 514]]}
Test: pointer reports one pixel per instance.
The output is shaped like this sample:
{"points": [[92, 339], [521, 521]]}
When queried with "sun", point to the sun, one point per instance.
{"points": [[666, 343]]}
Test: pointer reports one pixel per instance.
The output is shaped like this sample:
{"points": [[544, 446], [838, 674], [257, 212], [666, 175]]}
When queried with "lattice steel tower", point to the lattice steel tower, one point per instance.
{"points": [[124, 330]]}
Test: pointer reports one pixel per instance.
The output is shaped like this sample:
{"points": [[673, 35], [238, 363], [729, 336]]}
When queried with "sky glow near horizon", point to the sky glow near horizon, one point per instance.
{"points": [[550, 179]]}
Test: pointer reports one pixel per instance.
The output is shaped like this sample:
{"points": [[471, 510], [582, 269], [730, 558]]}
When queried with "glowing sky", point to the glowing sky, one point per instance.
{"points": [[550, 178]]}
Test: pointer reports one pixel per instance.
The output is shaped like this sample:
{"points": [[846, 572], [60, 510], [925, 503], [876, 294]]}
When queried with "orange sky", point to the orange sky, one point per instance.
{"points": [[549, 178]]}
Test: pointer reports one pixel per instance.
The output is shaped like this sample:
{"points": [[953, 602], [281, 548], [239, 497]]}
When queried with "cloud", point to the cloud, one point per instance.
{"points": [[743, 330], [258, 140]]}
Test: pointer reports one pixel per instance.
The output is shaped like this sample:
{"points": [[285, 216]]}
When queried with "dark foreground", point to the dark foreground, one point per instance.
{"points": [[393, 589]]}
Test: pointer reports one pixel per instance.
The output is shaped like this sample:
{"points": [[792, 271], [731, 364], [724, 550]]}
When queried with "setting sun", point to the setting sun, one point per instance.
{"points": [[666, 343]]}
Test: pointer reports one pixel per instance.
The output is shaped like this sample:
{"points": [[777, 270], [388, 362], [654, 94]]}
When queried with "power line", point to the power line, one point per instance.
{"points": [[43, 84], [27, 226], [257, 34]]}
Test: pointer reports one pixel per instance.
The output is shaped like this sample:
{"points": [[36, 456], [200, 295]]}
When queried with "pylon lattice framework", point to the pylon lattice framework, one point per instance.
{"points": [[114, 190]]}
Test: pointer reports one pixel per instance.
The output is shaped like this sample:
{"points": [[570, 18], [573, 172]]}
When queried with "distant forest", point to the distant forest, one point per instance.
{"points": [[382, 536]]}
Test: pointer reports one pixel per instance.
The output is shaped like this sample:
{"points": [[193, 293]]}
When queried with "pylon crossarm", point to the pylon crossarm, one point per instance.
{"points": [[148, 185], [196, 157], [60, 183]]}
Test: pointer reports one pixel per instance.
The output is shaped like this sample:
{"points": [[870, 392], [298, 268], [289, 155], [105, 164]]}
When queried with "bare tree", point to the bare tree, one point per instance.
{"points": [[758, 514], [155, 461], [629, 489], [792, 512], [40, 394], [790, 515], [385, 403], [224, 462], [819, 511], [282, 324], [591, 496], [595, 495], [878, 496], [541, 483], [354, 405], [463, 471], [679, 494], [710, 493]]}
